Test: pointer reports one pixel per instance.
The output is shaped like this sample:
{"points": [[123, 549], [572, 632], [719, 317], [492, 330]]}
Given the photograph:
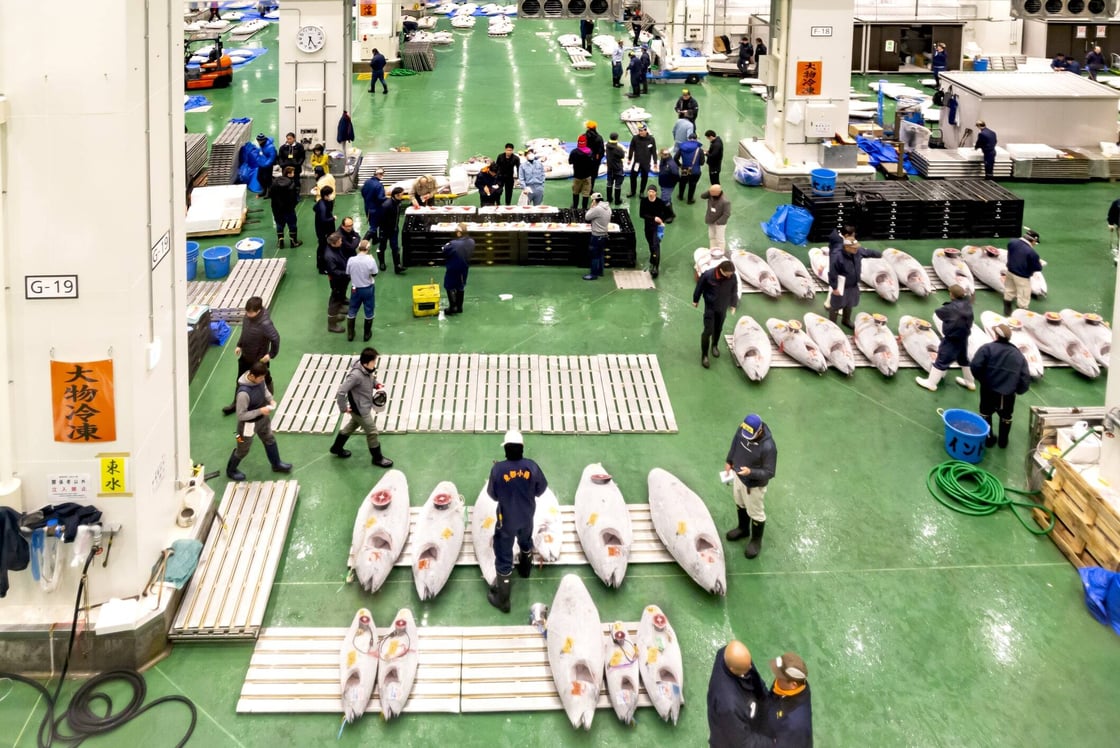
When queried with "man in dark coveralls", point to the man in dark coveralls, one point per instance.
{"points": [[845, 259]]}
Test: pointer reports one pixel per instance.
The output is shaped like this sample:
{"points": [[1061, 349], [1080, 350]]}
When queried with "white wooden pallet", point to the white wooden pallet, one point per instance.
{"points": [[248, 278], [646, 548], [203, 293], [481, 393], [296, 670], [227, 596], [632, 279], [399, 165], [462, 669]]}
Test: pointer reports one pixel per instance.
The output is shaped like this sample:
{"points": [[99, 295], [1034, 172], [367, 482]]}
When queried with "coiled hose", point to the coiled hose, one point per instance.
{"points": [[968, 489]]}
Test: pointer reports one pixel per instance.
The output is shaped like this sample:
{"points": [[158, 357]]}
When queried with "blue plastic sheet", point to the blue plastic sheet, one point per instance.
{"points": [[775, 228], [1102, 595], [195, 102], [879, 152], [749, 174], [798, 222]]}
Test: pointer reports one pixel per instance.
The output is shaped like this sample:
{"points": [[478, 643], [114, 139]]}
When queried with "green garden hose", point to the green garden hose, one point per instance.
{"points": [[401, 72], [971, 490]]}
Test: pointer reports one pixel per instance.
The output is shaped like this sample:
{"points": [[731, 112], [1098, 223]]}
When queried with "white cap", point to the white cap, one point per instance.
{"points": [[513, 436]]}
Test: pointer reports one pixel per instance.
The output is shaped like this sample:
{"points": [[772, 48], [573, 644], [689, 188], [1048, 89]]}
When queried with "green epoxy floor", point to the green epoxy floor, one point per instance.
{"points": [[920, 627]]}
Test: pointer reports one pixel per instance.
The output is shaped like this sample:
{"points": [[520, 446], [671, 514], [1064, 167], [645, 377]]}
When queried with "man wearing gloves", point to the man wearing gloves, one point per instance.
{"points": [[254, 403], [599, 216], [532, 178], [1002, 371], [356, 398], [752, 460], [515, 483], [956, 325]]}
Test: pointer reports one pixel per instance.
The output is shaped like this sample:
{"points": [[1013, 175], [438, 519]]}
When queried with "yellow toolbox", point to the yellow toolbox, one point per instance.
{"points": [[425, 300]]}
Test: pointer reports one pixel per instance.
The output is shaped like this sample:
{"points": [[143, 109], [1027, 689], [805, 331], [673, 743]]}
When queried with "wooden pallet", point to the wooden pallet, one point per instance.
{"points": [[203, 293], [227, 596], [481, 393], [646, 548], [1087, 526], [632, 279], [228, 227], [248, 278], [462, 669]]}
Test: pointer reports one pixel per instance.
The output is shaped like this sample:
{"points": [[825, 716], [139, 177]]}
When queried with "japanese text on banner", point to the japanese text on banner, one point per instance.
{"points": [[83, 401]]}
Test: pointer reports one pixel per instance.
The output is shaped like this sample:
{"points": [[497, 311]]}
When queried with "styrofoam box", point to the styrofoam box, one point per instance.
{"points": [[1087, 452]]}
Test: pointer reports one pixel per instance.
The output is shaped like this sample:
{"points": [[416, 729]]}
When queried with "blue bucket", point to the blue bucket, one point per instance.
{"points": [[979, 65], [216, 262], [192, 260], [824, 181], [251, 248], [965, 433]]}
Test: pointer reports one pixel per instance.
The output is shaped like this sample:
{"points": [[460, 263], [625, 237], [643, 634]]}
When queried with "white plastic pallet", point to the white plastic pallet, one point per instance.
{"points": [[227, 596], [462, 669], [247, 279], [632, 279], [203, 293]]}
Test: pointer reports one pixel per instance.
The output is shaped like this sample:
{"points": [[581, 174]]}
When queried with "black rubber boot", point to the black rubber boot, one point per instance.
{"points": [[350, 321], [229, 409], [231, 468], [744, 528], [379, 460], [575, 201], [452, 306], [585, 201], [367, 329], [991, 440], [755, 545], [655, 266], [833, 314], [273, 452], [524, 564], [1006, 308], [846, 318], [380, 259], [705, 344], [498, 595], [279, 241], [332, 324], [339, 449], [1004, 432], [295, 242]]}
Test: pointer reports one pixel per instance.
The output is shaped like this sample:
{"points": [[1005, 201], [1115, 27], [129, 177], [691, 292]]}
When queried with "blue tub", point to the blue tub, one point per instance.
{"points": [[251, 248], [216, 262], [965, 433], [823, 180], [192, 260]]}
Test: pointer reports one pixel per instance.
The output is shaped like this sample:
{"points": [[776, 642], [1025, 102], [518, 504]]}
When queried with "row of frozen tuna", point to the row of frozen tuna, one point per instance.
{"points": [[1084, 341], [887, 275], [580, 655], [680, 517]]}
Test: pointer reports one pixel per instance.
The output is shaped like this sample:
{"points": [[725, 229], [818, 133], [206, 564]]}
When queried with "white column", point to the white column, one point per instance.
{"points": [[92, 151], [9, 483], [314, 84], [1110, 445]]}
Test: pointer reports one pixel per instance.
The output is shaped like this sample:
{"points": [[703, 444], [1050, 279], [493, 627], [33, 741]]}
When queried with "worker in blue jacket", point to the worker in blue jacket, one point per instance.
{"points": [[515, 483], [637, 73], [940, 62], [845, 261], [736, 696], [986, 144], [1003, 372], [265, 159], [956, 325], [377, 71], [373, 195], [1022, 262], [789, 705]]}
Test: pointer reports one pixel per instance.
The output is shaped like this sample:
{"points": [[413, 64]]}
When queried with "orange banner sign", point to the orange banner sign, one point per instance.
{"points": [[367, 9], [83, 401], [809, 78]]}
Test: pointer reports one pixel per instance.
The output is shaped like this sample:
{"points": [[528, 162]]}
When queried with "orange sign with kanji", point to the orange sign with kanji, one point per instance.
{"points": [[367, 9], [83, 401], [808, 78]]}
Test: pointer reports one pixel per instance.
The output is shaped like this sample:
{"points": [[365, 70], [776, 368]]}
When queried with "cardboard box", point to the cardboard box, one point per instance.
{"points": [[866, 129]]}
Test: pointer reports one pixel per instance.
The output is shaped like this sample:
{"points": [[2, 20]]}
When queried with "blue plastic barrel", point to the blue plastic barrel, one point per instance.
{"points": [[965, 433], [798, 222], [216, 262], [251, 248], [192, 260], [980, 65], [823, 180]]}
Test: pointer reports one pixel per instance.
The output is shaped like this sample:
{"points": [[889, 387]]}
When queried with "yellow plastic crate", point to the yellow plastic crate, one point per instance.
{"points": [[425, 300]]}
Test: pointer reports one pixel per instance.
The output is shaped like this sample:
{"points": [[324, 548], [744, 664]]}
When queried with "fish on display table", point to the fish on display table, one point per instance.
{"points": [[621, 658], [358, 665], [919, 340], [754, 271], [832, 341], [661, 664], [876, 273], [1055, 338], [484, 521], [1020, 338], [603, 524], [819, 262], [575, 650], [704, 259], [437, 539], [796, 343], [548, 528], [987, 264], [752, 347], [685, 526], [398, 651], [380, 530], [877, 342], [1091, 330], [791, 273], [952, 270], [909, 271]]}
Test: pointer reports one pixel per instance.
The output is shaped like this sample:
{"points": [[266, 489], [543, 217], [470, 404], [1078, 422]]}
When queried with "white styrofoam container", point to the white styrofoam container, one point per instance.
{"points": [[1088, 452]]}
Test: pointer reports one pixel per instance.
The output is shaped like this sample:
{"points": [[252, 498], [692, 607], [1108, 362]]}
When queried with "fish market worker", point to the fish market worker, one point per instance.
{"points": [[515, 483], [956, 325], [845, 260], [1002, 370], [753, 458], [1022, 262], [736, 693]]}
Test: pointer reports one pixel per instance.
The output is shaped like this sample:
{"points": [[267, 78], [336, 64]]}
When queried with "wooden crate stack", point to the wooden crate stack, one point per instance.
{"points": [[1086, 527]]}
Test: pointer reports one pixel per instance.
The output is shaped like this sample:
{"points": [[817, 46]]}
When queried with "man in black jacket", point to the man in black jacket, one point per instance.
{"points": [[506, 165], [387, 230], [615, 170], [285, 197], [259, 342], [1002, 371], [845, 262], [736, 700], [956, 325], [751, 461], [598, 149], [291, 153], [720, 290], [715, 156], [642, 157], [653, 213], [789, 704], [746, 52]]}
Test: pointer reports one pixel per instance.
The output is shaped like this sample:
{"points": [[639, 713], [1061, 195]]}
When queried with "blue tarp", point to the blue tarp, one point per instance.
{"points": [[789, 223], [879, 152], [1102, 595], [255, 52], [195, 102]]}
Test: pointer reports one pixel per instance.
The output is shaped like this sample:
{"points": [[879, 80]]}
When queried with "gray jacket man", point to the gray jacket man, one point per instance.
{"points": [[358, 395]]}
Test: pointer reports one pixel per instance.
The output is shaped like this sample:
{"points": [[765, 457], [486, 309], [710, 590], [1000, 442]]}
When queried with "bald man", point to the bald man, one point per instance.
{"points": [[716, 217], [736, 696]]}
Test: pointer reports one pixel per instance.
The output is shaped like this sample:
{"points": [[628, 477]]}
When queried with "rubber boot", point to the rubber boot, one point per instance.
{"points": [[524, 564], [231, 468], [273, 452], [295, 241], [498, 594], [715, 347], [459, 300], [229, 409], [1006, 307], [379, 460], [350, 328], [705, 344], [585, 201], [755, 545], [846, 318], [332, 324], [931, 381], [339, 447], [967, 381], [367, 328], [1004, 432], [452, 304], [744, 528], [654, 265], [380, 259], [279, 241], [991, 440], [575, 201], [833, 314]]}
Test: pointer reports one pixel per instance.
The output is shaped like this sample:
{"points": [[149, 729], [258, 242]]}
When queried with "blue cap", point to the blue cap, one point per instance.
{"points": [[751, 426]]}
